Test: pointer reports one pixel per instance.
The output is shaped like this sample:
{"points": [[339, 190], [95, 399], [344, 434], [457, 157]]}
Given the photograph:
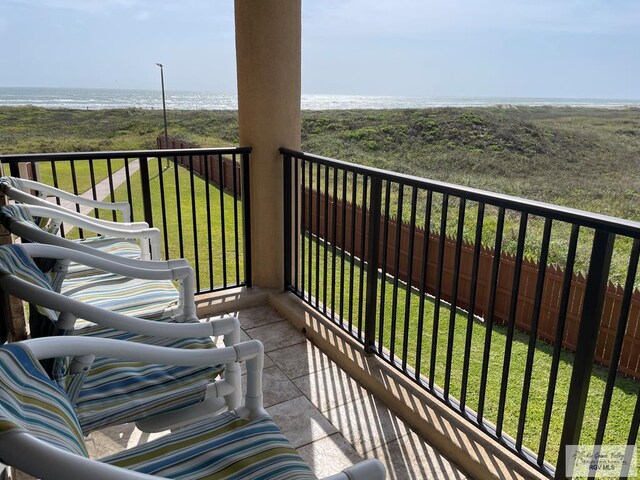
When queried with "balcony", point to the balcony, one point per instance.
{"points": [[421, 317]]}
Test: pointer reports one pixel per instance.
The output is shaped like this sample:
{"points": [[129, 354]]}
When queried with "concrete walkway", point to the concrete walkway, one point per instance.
{"points": [[102, 188]]}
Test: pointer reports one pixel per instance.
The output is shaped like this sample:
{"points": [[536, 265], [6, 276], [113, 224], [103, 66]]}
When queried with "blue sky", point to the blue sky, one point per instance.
{"points": [[524, 48]]}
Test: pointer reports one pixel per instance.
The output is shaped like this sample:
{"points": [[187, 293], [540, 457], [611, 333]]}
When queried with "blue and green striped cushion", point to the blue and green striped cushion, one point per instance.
{"points": [[14, 261], [129, 296], [225, 447], [31, 402], [118, 391], [125, 248]]}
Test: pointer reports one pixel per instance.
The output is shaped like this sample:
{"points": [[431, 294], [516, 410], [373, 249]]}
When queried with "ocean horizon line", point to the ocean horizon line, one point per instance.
{"points": [[106, 98]]}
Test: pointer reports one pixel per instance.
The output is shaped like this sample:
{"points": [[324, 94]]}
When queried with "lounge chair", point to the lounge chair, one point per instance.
{"points": [[132, 296], [40, 434], [113, 392]]}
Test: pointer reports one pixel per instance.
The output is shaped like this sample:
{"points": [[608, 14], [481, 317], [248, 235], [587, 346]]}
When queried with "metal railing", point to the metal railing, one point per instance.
{"points": [[380, 254], [201, 217]]}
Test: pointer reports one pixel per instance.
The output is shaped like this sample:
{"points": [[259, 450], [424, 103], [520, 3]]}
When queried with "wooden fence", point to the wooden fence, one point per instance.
{"points": [[630, 358], [214, 167]]}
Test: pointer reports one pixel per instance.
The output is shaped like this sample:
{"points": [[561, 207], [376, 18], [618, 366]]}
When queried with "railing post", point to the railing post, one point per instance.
{"points": [[246, 219], [14, 169], [287, 165], [146, 191], [372, 264], [594, 297]]}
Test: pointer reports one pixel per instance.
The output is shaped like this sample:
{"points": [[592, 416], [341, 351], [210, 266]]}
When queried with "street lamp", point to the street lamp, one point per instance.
{"points": [[164, 110]]}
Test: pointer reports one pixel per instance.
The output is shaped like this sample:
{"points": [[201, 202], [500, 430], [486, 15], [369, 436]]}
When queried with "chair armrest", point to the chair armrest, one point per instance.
{"points": [[22, 196], [112, 263]]}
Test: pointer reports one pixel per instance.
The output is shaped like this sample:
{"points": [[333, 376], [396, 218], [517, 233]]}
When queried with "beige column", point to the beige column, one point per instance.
{"points": [[268, 55]]}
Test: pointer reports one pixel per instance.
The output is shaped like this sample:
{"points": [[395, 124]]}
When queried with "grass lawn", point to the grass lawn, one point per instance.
{"points": [[64, 173], [625, 392], [207, 241]]}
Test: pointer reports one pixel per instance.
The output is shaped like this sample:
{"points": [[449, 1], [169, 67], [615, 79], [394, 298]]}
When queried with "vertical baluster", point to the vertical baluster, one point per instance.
{"points": [[194, 216], [334, 241], [372, 266], [497, 252], [407, 303], [236, 236], [438, 299], [223, 230], [326, 238], [423, 281], [396, 272], [363, 231], [296, 223], [163, 208], [146, 191], [127, 176], [246, 219], [383, 276], [533, 332], [344, 243], [472, 305], [94, 192], [176, 179], [310, 253], [112, 195], [74, 180], [454, 297], [207, 196], [354, 189], [304, 223]]}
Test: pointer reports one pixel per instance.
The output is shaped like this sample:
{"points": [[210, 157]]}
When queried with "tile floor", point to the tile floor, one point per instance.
{"points": [[327, 416]]}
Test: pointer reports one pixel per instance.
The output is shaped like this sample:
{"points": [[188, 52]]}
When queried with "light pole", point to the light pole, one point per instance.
{"points": [[164, 110]]}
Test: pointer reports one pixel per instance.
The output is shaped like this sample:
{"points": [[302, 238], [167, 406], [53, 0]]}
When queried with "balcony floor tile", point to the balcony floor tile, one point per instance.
{"points": [[300, 359], [277, 335]]}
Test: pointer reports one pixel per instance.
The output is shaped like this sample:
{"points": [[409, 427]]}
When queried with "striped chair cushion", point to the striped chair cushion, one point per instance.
{"points": [[14, 261], [31, 402], [118, 391], [129, 296], [223, 447], [20, 213], [125, 248]]}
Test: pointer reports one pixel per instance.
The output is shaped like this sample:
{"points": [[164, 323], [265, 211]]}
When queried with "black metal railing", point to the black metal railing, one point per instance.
{"points": [[391, 258], [198, 198]]}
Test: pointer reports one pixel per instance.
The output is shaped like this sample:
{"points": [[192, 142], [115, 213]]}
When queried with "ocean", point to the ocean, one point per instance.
{"points": [[95, 99]]}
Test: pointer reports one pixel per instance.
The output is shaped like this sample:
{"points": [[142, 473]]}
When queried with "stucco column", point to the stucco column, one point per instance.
{"points": [[268, 55]]}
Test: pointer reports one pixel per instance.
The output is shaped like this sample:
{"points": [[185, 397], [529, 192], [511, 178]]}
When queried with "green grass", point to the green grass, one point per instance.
{"points": [[207, 238], [624, 397], [64, 174]]}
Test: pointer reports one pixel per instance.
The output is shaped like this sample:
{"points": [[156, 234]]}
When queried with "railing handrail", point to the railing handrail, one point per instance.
{"points": [[65, 156], [583, 218]]}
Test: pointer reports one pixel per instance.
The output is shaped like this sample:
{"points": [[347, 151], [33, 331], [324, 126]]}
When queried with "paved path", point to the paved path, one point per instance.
{"points": [[102, 188]]}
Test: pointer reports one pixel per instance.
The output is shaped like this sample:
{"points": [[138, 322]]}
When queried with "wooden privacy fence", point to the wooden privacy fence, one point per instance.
{"points": [[216, 164], [554, 277]]}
